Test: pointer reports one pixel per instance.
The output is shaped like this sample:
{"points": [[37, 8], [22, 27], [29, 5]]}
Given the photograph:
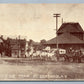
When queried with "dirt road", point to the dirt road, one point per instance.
{"points": [[40, 70]]}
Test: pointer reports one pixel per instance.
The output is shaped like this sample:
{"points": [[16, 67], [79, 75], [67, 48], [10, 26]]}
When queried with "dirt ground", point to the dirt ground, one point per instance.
{"points": [[23, 69]]}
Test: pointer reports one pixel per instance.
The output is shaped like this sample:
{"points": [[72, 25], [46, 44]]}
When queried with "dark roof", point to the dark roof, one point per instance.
{"points": [[66, 38], [70, 27]]}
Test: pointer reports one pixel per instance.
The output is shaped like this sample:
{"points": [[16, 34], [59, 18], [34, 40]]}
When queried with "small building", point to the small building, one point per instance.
{"points": [[17, 47]]}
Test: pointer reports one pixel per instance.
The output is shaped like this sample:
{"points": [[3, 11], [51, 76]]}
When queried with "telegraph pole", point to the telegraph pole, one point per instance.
{"points": [[62, 20], [56, 16], [18, 46]]}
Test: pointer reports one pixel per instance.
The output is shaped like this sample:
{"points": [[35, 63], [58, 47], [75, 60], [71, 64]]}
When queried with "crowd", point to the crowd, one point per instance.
{"points": [[70, 55]]}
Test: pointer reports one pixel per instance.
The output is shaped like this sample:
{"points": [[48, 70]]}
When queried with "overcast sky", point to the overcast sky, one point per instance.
{"points": [[36, 21]]}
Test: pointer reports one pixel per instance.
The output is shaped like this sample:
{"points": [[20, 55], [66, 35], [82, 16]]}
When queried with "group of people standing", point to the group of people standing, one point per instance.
{"points": [[75, 54], [71, 55]]}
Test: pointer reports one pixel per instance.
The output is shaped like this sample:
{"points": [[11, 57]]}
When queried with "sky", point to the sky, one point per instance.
{"points": [[36, 21]]}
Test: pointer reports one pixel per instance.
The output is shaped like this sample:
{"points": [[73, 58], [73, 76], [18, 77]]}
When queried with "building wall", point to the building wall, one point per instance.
{"points": [[14, 53], [66, 46]]}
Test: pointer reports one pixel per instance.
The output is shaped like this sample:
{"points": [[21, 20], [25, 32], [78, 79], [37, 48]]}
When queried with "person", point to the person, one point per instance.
{"points": [[79, 56], [57, 54], [69, 54]]}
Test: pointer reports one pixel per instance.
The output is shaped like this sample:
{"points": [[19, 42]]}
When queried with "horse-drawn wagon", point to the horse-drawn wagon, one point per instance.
{"points": [[69, 55]]}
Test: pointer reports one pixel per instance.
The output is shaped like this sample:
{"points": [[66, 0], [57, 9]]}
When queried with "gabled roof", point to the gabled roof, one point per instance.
{"points": [[70, 27], [66, 38]]}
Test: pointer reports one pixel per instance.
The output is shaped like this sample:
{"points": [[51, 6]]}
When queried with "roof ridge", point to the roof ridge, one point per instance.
{"points": [[76, 27]]}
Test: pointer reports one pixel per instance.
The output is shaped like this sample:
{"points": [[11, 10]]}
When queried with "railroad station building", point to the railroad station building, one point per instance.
{"points": [[69, 35]]}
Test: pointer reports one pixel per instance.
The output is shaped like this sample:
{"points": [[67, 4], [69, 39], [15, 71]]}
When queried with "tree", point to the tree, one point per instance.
{"points": [[30, 42], [43, 41], [7, 47], [41, 45]]}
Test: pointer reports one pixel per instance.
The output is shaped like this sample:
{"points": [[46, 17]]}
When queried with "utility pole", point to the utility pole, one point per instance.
{"points": [[62, 20], [18, 46], [56, 16]]}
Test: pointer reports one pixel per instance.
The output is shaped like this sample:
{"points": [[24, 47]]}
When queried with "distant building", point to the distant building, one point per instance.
{"points": [[1, 46], [69, 35], [17, 47]]}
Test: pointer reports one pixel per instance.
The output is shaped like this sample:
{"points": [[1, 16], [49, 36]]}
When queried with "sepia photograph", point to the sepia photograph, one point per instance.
{"points": [[42, 42]]}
